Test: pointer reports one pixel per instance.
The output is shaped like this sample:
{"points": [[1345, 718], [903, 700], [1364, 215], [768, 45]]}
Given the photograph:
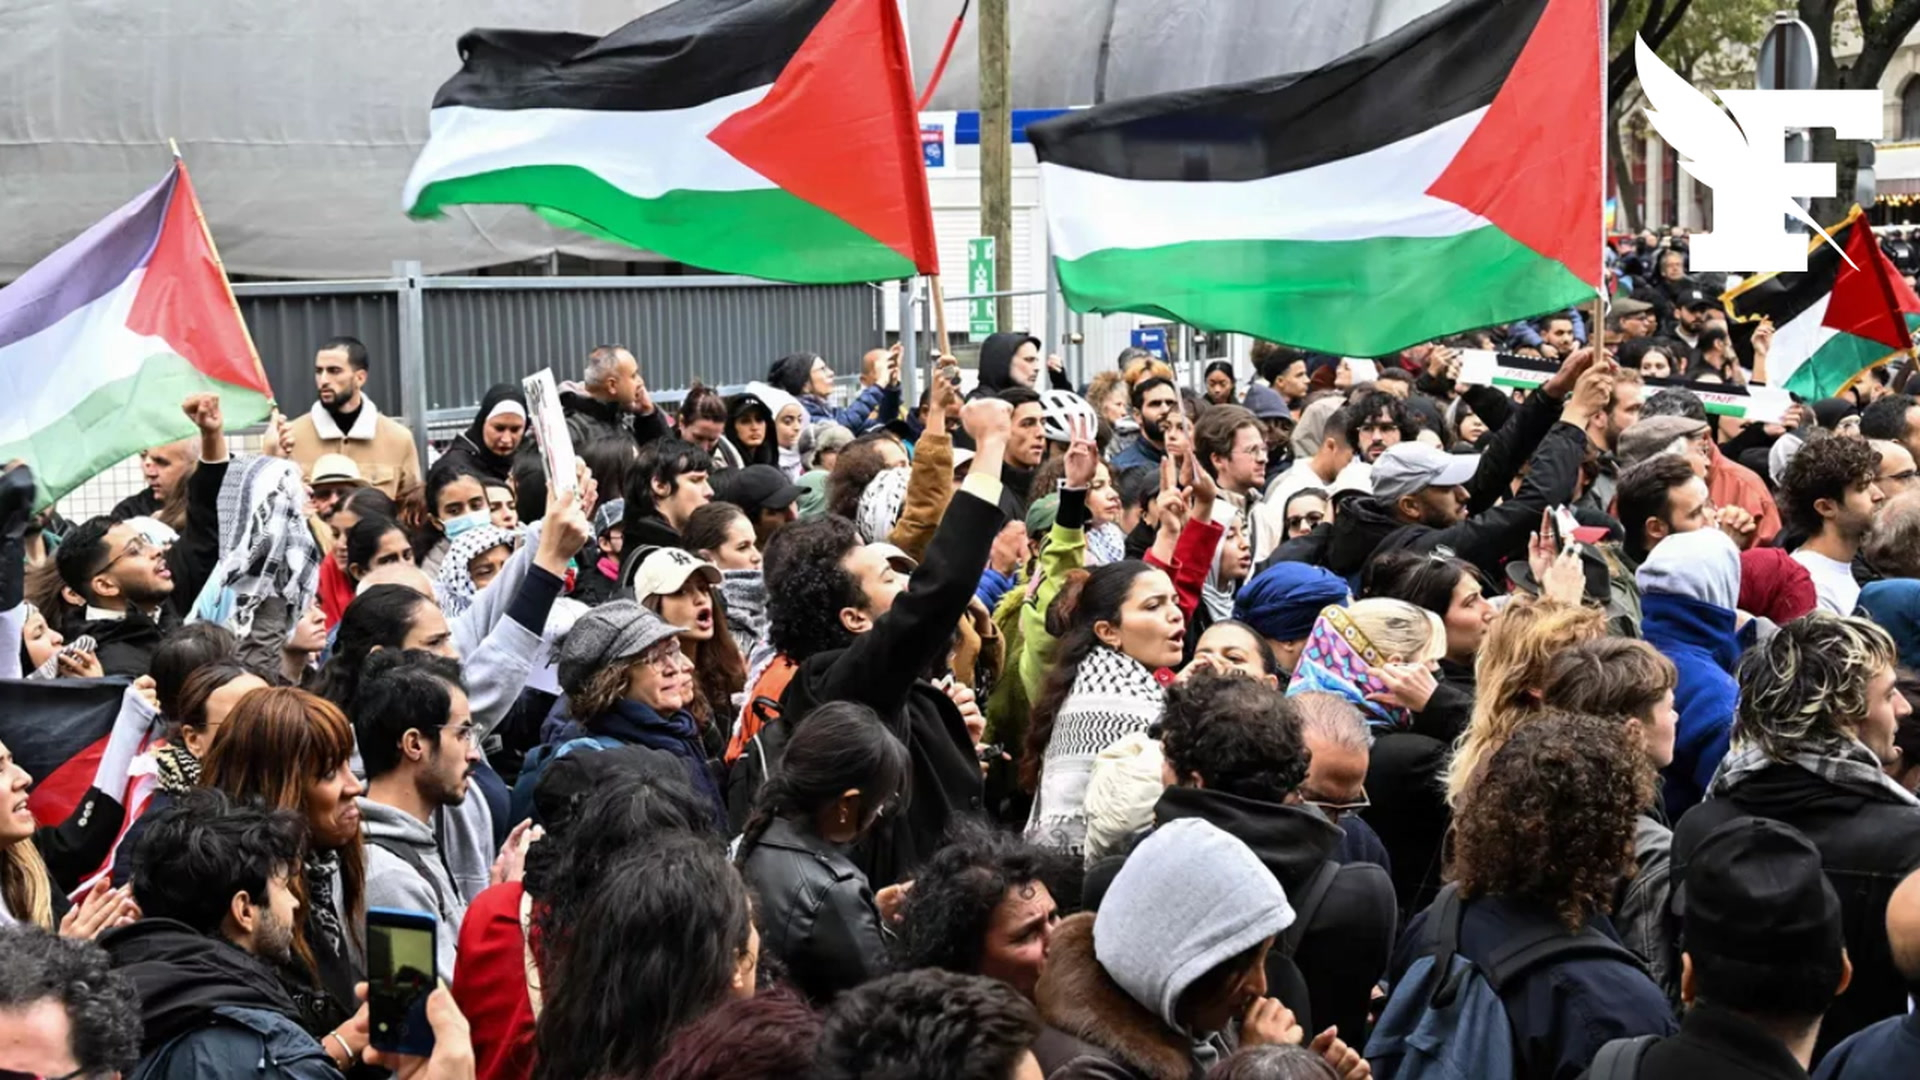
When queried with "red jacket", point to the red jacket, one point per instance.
{"points": [[490, 984]]}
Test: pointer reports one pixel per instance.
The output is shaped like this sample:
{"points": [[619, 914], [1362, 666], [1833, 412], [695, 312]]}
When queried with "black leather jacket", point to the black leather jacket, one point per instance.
{"points": [[816, 911]]}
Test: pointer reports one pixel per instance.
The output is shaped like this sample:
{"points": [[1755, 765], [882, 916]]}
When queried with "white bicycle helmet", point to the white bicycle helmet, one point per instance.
{"points": [[1057, 410]]}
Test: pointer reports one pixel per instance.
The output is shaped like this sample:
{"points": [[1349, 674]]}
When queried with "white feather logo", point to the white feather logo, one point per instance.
{"points": [[1712, 148]]}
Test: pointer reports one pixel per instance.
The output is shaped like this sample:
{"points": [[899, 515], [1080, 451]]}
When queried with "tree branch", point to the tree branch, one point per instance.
{"points": [[1671, 24]]}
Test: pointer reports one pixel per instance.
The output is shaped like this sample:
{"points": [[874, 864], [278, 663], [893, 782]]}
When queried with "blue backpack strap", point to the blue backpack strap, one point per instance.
{"points": [[1523, 952]]}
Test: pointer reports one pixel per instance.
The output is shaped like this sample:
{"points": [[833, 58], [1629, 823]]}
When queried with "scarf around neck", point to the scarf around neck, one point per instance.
{"points": [[1113, 696], [1105, 544], [1848, 765]]}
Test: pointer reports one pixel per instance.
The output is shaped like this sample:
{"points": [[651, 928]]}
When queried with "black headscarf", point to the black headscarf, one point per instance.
{"points": [[470, 446]]}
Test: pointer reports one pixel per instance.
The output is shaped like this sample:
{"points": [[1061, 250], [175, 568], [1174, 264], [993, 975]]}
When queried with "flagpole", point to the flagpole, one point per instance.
{"points": [[1597, 330], [226, 284], [940, 314]]}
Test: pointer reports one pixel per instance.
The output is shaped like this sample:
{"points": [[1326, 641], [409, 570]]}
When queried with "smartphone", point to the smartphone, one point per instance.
{"points": [[400, 975]]}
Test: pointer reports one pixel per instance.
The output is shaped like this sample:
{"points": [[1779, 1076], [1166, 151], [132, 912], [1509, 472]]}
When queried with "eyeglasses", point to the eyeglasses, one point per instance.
{"points": [[667, 661], [467, 734], [135, 548], [1337, 810]]}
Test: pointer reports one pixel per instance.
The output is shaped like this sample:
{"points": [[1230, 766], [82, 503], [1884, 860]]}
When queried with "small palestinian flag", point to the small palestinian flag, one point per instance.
{"points": [[102, 340], [1835, 320], [775, 138], [1442, 178]]}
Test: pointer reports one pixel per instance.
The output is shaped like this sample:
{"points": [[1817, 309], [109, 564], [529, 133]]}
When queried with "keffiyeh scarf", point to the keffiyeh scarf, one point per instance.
{"points": [[455, 584], [880, 505], [1848, 765], [266, 549], [1105, 544], [1338, 659], [1113, 696], [743, 595], [179, 770]]}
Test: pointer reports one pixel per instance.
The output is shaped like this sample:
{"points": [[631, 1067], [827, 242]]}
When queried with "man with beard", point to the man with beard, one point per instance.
{"points": [[346, 421], [1154, 399], [218, 915], [1378, 422], [137, 589], [1829, 491], [420, 745]]}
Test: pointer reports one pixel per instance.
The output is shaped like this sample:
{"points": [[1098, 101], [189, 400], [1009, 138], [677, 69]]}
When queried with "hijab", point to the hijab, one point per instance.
{"points": [[500, 397], [1339, 659]]}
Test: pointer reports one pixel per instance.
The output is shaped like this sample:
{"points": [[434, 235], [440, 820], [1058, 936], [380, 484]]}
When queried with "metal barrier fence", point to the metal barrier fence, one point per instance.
{"points": [[437, 343]]}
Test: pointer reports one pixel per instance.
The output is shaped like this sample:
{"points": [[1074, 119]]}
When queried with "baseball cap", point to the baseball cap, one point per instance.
{"points": [[614, 631], [1693, 296], [1754, 890], [609, 514], [756, 487], [1412, 467], [1653, 435], [336, 469], [900, 560], [666, 569], [1042, 514]]}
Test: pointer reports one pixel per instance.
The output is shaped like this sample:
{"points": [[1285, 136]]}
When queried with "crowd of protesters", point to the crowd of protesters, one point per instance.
{"points": [[1292, 727]]}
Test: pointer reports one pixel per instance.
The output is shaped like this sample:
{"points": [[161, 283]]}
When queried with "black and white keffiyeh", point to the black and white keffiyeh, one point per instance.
{"points": [[1113, 696], [1850, 765], [266, 549], [455, 584]]}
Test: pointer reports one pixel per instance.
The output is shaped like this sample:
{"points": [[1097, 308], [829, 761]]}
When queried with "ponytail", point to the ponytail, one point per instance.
{"points": [[1088, 597]]}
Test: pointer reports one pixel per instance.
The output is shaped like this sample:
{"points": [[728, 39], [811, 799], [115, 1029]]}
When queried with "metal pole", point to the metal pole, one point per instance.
{"points": [[413, 353], [910, 358]]}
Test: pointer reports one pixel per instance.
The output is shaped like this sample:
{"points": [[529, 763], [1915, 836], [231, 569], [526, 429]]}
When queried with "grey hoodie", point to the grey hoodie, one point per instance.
{"points": [[1702, 565], [1190, 898], [392, 882]]}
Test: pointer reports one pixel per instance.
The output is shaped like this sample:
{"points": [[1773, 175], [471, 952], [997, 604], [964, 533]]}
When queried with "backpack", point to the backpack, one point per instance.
{"points": [[1446, 1019], [536, 763], [1620, 1059], [758, 760]]}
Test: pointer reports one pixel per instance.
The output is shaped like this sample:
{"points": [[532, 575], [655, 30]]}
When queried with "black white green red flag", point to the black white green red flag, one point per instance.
{"points": [[1839, 318], [775, 138], [1442, 178]]}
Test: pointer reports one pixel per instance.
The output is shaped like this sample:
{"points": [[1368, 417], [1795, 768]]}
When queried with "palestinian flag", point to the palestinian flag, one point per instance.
{"points": [[776, 138], [102, 340], [1835, 320], [1442, 178]]}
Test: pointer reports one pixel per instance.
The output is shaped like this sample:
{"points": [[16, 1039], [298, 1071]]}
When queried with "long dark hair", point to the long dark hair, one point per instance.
{"points": [[707, 527], [675, 915], [1087, 598], [719, 671], [610, 461], [857, 466], [368, 502], [1425, 581], [363, 541], [186, 651], [379, 617], [835, 747], [438, 479], [586, 832]]}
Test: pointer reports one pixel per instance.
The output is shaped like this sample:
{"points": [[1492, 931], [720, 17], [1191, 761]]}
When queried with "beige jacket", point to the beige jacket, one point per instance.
{"points": [[383, 448]]}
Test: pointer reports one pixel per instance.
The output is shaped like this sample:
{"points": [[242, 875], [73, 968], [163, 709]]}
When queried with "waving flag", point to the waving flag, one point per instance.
{"points": [[769, 137], [1847, 313], [102, 340], [1444, 177]]}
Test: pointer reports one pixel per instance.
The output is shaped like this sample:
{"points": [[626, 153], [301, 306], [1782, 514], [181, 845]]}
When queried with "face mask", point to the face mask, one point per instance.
{"points": [[456, 526]]}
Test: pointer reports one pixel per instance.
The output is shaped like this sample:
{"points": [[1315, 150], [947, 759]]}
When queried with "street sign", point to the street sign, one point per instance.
{"points": [[1786, 57], [980, 279], [1153, 339]]}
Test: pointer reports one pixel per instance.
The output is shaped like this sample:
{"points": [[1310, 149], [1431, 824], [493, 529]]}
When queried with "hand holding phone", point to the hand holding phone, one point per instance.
{"points": [[400, 976]]}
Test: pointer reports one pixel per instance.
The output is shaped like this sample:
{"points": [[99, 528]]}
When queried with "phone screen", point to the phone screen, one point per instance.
{"points": [[400, 975]]}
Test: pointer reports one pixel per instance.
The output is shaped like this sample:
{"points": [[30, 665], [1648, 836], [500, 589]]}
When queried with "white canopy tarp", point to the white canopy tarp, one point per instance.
{"points": [[300, 121]]}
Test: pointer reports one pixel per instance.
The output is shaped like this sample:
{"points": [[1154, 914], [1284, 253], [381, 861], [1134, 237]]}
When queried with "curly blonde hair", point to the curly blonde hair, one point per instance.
{"points": [[1552, 817], [1510, 675]]}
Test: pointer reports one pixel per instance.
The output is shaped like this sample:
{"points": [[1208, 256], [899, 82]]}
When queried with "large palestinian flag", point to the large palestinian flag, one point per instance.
{"points": [[1444, 177], [102, 340], [775, 138], [1835, 320]]}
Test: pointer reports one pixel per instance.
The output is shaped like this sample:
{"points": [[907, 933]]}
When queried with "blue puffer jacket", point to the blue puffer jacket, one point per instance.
{"points": [[1702, 641]]}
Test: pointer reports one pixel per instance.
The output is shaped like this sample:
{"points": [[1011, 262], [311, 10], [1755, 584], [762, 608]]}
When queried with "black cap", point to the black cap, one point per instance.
{"points": [[1754, 891], [1693, 296], [756, 487]]}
